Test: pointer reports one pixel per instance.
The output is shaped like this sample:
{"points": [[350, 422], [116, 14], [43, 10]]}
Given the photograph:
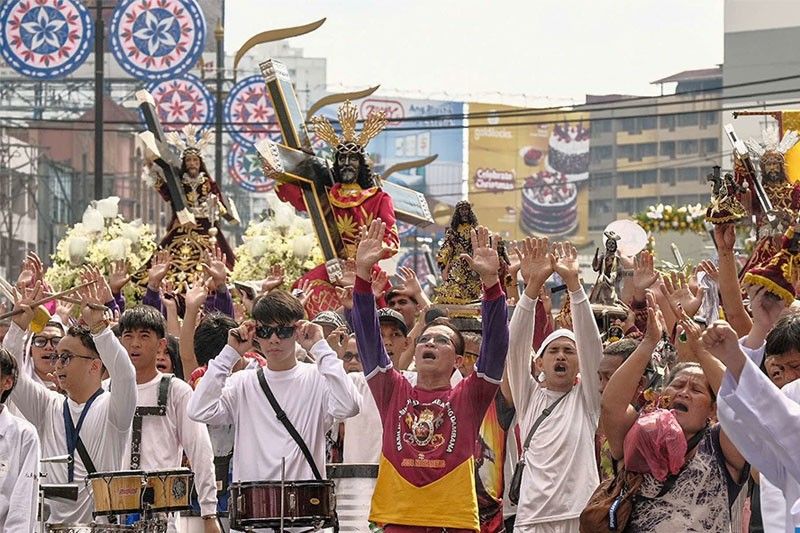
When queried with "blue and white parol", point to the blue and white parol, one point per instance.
{"points": [[45, 39], [244, 168], [249, 112], [157, 39], [182, 101]]}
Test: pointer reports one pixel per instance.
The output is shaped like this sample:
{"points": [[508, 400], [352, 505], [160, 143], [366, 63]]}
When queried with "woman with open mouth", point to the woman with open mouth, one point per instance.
{"points": [[689, 493]]}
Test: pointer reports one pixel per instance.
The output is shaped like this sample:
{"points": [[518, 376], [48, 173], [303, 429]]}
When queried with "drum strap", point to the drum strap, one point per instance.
{"points": [[73, 439], [281, 414], [141, 412]]}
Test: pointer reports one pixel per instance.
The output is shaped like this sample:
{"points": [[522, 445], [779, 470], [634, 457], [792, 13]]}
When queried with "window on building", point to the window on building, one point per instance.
{"points": [[646, 150], [687, 174], [709, 146], [626, 151], [629, 125], [667, 122], [626, 205], [710, 117], [648, 123], [628, 178], [668, 176], [687, 147], [602, 179], [602, 126], [601, 153], [667, 149], [688, 119], [645, 177]]}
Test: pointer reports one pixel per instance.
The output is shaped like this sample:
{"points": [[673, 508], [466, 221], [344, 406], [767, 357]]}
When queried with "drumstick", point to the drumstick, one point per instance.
{"points": [[55, 297]]}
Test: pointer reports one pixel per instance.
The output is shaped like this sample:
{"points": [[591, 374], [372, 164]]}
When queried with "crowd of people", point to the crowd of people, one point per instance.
{"points": [[523, 426]]}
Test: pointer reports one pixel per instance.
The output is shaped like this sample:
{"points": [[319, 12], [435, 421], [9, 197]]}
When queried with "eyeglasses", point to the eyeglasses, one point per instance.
{"points": [[283, 332], [65, 358], [349, 356], [40, 341], [441, 340], [470, 355]]}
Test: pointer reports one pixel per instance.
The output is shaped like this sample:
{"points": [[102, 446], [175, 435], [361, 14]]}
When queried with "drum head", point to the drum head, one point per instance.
{"points": [[115, 473]]}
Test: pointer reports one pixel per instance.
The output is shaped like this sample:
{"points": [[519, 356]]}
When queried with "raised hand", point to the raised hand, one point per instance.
{"points": [[308, 334], [378, 282], [680, 296], [32, 271], [710, 269], [514, 260], [28, 295], [766, 308], [118, 276], [370, 248], [93, 307], [196, 296], [410, 285], [215, 268], [536, 263], [303, 292], [655, 320], [274, 280], [101, 287], [337, 340], [484, 259], [725, 238], [241, 338], [159, 267], [564, 262], [693, 334], [345, 295], [644, 274], [722, 342]]}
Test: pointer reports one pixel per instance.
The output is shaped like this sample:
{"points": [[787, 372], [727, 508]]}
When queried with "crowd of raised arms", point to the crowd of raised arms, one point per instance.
{"points": [[209, 403]]}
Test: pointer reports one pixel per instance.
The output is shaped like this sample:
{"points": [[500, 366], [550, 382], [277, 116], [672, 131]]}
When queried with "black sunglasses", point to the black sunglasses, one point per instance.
{"points": [[283, 332]]}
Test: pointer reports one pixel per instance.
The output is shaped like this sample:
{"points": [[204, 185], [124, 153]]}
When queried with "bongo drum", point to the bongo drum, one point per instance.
{"points": [[169, 490], [117, 492]]}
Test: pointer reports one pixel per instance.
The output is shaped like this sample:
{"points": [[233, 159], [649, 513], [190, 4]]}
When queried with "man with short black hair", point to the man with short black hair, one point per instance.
{"points": [[19, 459], [404, 304], [162, 431], [312, 395], [394, 333]]}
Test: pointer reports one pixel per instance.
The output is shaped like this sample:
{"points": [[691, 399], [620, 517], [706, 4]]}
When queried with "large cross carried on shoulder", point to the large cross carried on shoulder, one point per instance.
{"points": [[294, 161]]}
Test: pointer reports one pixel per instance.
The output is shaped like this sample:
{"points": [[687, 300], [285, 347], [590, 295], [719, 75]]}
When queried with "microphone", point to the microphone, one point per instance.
{"points": [[57, 459]]}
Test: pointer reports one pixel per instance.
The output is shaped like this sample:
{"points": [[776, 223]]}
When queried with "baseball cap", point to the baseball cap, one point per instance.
{"points": [[388, 315]]}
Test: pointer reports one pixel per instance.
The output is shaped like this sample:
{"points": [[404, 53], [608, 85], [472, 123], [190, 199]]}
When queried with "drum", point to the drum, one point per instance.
{"points": [[305, 504], [88, 528], [117, 492], [355, 484], [169, 490]]}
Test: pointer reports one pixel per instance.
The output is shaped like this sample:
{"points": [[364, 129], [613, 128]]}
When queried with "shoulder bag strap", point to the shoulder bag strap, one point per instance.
{"points": [[84, 455], [281, 414], [545, 414], [691, 444]]}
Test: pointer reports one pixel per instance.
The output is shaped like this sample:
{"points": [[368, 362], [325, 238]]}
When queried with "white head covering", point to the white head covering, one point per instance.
{"points": [[557, 334]]}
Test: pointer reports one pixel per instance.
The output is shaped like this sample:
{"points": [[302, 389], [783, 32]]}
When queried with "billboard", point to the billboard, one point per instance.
{"points": [[440, 180], [528, 171]]}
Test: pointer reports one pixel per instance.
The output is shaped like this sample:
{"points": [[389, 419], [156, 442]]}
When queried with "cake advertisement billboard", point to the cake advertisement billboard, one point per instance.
{"points": [[438, 132], [528, 171]]}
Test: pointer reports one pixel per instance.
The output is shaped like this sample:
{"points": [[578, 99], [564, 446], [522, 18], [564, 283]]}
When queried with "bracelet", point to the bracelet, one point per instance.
{"points": [[209, 517], [99, 327]]}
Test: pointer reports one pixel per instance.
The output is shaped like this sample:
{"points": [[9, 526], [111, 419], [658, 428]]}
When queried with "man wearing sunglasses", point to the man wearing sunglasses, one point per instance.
{"points": [[41, 355], [89, 424], [430, 428], [311, 394]]}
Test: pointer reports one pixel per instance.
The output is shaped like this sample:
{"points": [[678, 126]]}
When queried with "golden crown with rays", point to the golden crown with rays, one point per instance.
{"points": [[188, 142], [348, 118]]}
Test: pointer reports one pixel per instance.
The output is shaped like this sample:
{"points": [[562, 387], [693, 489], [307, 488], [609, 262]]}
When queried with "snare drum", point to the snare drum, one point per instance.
{"points": [[117, 492], [88, 528], [171, 489], [306, 504]]}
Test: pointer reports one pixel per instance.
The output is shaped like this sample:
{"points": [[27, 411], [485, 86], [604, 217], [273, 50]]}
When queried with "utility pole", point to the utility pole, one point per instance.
{"points": [[99, 67], [219, 33]]}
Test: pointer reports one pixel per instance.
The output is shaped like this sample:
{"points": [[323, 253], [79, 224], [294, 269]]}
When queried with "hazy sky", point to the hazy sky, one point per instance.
{"points": [[474, 50]]}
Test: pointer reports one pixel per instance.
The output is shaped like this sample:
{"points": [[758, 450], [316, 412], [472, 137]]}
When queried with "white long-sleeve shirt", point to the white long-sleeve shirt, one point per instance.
{"points": [[312, 395], [763, 423], [106, 429], [19, 472], [560, 469], [164, 439]]}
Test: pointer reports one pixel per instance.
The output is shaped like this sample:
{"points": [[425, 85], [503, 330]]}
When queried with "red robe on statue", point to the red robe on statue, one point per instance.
{"points": [[353, 207]]}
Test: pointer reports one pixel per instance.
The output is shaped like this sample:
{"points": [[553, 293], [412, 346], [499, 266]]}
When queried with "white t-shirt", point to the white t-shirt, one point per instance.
{"points": [[106, 429], [560, 468], [312, 395], [19, 471]]}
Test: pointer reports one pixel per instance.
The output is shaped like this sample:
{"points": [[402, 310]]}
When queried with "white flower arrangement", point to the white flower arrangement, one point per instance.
{"points": [[101, 238], [284, 239], [665, 217]]}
